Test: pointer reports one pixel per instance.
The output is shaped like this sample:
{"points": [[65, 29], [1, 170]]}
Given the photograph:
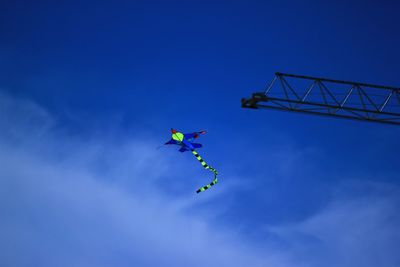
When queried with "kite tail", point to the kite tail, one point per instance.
{"points": [[206, 166]]}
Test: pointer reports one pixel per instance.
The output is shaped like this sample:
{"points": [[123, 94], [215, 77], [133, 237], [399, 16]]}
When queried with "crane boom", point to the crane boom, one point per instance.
{"points": [[327, 97]]}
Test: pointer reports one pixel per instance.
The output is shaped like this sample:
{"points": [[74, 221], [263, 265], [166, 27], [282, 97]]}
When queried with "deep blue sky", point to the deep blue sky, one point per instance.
{"points": [[138, 68]]}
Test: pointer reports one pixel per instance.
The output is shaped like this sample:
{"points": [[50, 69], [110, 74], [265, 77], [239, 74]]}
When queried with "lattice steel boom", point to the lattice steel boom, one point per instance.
{"points": [[320, 96]]}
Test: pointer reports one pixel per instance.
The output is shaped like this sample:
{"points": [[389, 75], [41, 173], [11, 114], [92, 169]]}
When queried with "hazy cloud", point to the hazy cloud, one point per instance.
{"points": [[66, 201]]}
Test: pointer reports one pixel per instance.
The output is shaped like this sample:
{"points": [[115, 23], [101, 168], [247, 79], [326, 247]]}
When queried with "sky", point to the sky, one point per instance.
{"points": [[90, 89]]}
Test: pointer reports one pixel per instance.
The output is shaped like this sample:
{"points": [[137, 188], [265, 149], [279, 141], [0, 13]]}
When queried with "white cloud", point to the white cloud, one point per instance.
{"points": [[70, 202], [60, 208], [354, 230]]}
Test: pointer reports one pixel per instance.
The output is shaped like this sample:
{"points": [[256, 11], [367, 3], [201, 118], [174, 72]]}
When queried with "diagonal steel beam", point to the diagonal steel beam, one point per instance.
{"points": [[352, 104]]}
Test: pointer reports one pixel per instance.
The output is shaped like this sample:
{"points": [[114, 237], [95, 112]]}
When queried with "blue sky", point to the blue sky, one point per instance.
{"points": [[89, 89]]}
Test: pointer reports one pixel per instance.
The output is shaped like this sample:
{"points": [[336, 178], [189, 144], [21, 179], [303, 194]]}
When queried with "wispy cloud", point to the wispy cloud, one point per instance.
{"points": [[360, 227], [61, 208], [66, 201]]}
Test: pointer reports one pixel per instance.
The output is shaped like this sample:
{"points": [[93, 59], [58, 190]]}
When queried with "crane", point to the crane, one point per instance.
{"points": [[327, 97]]}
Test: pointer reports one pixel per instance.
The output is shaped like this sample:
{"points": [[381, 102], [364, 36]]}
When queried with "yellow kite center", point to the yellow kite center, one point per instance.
{"points": [[177, 137]]}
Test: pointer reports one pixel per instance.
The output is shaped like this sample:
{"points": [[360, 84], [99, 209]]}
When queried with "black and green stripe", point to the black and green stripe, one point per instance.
{"points": [[206, 166]]}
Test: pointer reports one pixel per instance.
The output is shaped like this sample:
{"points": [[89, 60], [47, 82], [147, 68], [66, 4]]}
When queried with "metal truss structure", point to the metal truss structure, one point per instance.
{"points": [[334, 98]]}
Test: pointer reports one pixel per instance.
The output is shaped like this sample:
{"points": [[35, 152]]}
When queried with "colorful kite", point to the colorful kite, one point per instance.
{"points": [[185, 143]]}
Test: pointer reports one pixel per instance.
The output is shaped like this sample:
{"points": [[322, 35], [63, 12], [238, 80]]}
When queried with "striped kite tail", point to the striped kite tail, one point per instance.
{"points": [[206, 166]]}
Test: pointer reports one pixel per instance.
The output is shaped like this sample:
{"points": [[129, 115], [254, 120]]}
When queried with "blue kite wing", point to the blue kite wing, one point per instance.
{"points": [[189, 135], [196, 145], [183, 149], [194, 134], [171, 142]]}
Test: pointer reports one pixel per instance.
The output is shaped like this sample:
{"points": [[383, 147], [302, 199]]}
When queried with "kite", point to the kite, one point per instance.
{"points": [[186, 144]]}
